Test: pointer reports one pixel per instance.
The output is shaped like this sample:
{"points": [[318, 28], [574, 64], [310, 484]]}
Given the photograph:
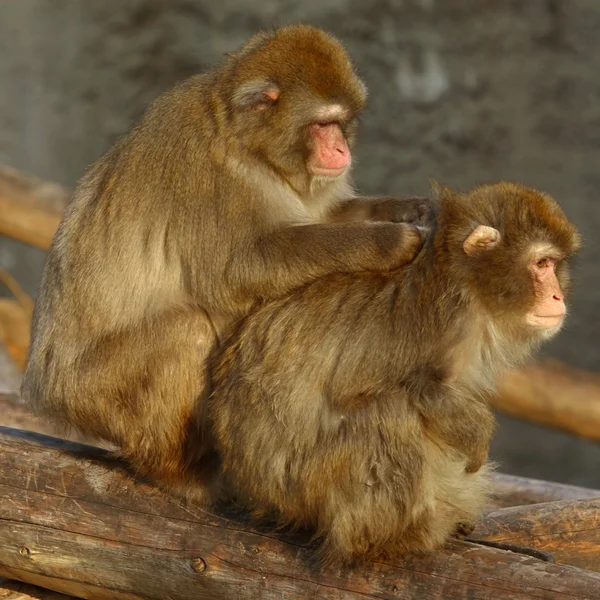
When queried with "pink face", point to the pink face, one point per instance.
{"points": [[330, 156], [549, 309]]}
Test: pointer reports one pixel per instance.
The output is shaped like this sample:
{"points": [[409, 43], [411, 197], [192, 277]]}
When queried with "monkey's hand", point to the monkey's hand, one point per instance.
{"points": [[410, 240], [415, 210]]}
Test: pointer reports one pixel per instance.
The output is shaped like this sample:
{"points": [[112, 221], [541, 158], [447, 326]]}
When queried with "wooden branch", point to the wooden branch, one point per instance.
{"points": [[14, 413], [16, 590], [553, 394], [30, 209], [15, 320], [568, 529], [511, 490], [76, 521]]}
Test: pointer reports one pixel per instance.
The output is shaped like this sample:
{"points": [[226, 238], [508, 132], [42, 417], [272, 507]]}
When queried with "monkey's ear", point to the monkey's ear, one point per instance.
{"points": [[481, 238], [256, 95]]}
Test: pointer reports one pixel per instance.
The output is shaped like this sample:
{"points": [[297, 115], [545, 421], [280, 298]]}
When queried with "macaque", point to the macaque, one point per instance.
{"points": [[357, 406], [232, 190]]}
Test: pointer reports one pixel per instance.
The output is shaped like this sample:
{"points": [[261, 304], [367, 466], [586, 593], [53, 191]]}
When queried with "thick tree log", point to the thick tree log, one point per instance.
{"points": [[16, 590], [553, 394], [511, 490], [76, 521], [30, 209], [567, 529]]}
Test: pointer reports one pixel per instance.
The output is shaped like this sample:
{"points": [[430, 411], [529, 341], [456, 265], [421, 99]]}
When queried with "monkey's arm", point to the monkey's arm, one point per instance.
{"points": [[466, 424], [416, 210], [288, 258]]}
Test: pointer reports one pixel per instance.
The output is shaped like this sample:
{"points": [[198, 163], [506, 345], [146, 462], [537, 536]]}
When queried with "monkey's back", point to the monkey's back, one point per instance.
{"points": [[316, 423]]}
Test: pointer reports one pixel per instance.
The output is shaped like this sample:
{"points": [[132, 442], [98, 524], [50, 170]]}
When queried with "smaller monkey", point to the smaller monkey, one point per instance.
{"points": [[357, 405]]}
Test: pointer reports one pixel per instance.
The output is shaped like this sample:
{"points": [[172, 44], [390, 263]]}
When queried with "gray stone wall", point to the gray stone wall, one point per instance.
{"points": [[463, 91]]}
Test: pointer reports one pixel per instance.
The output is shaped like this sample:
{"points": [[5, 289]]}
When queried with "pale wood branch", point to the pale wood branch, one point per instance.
{"points": [[553, 394], [76, 521], [30, 209], [511, 490]]}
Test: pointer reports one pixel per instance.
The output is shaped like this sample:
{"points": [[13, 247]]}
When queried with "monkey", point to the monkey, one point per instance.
{"points": [[233, 189], [357, 406]]}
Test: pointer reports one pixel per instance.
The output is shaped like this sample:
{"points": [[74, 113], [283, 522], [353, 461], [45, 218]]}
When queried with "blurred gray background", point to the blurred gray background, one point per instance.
{"points": [[464, 91]]}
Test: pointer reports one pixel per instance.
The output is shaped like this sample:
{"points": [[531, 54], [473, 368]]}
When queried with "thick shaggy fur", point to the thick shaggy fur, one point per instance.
{"points": [[206, 208], [357, 406]]}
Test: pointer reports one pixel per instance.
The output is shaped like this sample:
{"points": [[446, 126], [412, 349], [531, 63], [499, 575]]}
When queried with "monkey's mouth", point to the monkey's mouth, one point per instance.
{"points": [[327, 172], [546, 321]]}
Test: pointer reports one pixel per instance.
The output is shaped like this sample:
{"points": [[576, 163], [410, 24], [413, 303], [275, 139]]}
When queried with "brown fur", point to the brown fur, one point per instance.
{"points": [[204, 209], [357, 406]]}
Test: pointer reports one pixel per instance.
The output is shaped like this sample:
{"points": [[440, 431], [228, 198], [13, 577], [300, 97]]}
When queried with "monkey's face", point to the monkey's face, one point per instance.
{"points": [[298, 108], [517, 263], [302, 137], [535, 298]]}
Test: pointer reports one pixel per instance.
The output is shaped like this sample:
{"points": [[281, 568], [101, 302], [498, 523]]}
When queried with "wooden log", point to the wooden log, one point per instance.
{"points": [[14, 413], [17, 590], [15, 320], [511, 490], [30, 209], [567, 529], [33, 226], [553, 394], [76, 521]]}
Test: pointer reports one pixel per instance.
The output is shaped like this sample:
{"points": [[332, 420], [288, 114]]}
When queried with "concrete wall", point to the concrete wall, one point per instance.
{"points": [[464, 91]]}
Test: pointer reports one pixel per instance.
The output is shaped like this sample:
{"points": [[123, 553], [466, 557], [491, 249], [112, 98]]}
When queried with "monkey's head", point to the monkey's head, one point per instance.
{"points": [[511, 246], [294, 98]]}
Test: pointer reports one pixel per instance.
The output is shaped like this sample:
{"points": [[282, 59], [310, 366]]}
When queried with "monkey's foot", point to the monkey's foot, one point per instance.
{"points": [[463, 529]]}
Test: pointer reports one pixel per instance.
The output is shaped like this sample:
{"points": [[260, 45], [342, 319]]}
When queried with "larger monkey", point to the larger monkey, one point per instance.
{"points": [[357, 405], [217, 200]]}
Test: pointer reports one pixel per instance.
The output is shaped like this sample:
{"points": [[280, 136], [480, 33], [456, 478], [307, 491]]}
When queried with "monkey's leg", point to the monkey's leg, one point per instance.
{"points": [[142, 389], [472, 425]]}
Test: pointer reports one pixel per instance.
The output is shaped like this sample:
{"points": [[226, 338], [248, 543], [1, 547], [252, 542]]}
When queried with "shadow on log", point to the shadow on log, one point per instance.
{"points": [[74, 520]]}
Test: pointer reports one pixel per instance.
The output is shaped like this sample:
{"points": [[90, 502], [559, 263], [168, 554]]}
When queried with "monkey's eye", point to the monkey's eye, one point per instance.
{"points": [[543, 263], [327, 123]]}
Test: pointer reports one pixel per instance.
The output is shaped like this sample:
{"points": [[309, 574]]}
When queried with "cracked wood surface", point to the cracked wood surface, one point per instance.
{"points": [[76, 521]]}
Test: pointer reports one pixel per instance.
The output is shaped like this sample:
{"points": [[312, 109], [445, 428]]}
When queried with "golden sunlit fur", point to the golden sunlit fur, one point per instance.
{"points": [[203, 210], [357, 406]]}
